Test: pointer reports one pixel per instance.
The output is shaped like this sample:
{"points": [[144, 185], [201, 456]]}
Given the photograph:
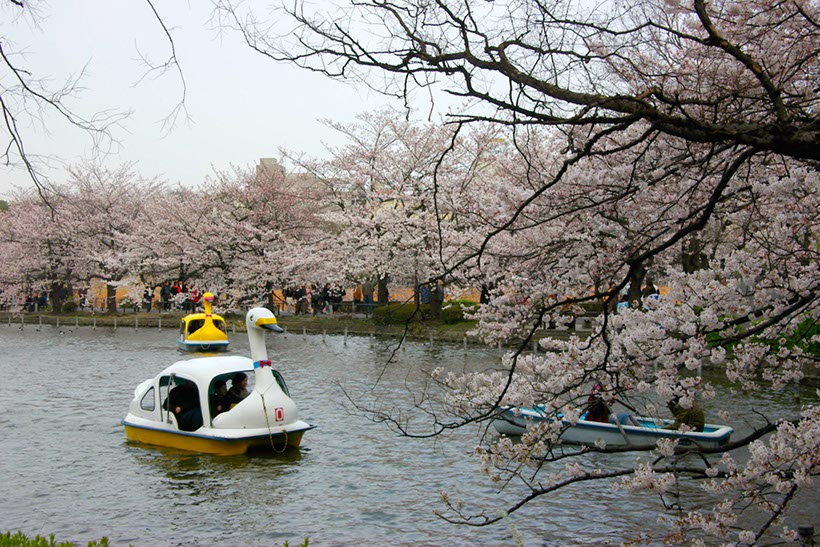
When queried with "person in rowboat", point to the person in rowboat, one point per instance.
{"points": [[693, 417], [599, 411]]}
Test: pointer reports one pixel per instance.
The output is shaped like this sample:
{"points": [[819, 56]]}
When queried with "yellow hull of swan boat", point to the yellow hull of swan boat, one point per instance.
{"points": [[187, 406], [209, 445]]}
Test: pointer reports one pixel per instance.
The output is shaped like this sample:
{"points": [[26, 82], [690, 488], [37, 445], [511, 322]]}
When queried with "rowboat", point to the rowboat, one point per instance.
{"points": [[182, 406], [203, 331], [514, 421]]}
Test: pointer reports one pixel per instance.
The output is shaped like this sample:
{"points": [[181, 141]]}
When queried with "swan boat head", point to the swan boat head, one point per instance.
{"points": [[267, 404], [257, 321]]}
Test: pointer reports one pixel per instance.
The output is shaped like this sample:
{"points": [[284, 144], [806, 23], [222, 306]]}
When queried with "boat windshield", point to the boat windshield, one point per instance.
{"points": [[194, 325]]}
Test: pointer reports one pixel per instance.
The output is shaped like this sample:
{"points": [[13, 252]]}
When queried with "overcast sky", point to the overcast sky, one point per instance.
{"points": [[242, 105]]}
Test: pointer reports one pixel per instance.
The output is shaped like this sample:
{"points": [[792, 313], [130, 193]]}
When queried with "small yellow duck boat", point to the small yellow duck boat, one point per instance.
{"points": [[203, 331]]}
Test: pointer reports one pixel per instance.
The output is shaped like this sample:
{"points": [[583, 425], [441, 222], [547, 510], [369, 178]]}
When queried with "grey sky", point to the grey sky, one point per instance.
{"points": [[242, 105]]}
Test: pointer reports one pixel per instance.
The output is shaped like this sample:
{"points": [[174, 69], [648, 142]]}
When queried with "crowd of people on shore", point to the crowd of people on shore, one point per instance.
{"points": [[172, 296], [328, 298], [179, 296], [305, 299], [34, 301]]}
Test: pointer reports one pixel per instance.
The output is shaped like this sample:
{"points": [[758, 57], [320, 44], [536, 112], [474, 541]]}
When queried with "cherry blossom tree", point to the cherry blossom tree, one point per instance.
{"points": [[383, 214], [37, 250], [677, 140], [241, 234], [102, 208]]}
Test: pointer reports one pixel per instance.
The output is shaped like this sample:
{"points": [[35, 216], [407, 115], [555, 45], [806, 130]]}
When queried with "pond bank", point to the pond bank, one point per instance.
{"points": [[341, 323]]}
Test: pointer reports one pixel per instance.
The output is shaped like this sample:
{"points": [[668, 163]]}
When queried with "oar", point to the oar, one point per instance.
{"points": [[621, 428]]}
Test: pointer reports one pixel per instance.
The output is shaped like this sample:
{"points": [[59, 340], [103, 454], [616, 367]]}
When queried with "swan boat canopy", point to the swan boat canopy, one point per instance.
{"points": [[514, 421], [203, 331], [201, 419]]}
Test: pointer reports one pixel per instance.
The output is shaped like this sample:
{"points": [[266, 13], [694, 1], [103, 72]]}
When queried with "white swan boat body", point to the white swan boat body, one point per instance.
{"points": [[267, 418], [514, 421]]}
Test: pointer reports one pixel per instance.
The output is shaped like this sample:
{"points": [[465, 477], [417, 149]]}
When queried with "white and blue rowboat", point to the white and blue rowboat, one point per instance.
{"points": [[514, 421]]}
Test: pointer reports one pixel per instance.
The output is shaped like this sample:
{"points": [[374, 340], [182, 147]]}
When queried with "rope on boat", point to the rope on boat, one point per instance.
{"points": [[270, 433]]}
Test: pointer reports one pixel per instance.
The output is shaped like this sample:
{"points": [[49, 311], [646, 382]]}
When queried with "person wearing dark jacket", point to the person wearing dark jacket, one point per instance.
{"points": [[221, 400], [597, 409], [184, 403], [239, 388]]}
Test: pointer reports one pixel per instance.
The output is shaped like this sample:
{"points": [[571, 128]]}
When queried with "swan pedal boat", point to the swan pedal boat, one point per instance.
{"points": [[267, 419], [203, 331], [514, 421]]}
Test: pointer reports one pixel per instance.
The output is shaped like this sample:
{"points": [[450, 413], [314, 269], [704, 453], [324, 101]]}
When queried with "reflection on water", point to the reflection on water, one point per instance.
{"points": [[68, 470]]}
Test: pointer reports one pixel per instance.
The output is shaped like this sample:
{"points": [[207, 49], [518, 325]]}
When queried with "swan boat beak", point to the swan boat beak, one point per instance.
{"points": [[269, 323]]}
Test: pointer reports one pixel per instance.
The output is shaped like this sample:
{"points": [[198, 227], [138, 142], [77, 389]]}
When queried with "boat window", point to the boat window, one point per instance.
{"points": [[220, 325], [165, 380], [183, 400], [148, 402], [194, 325], [281, 382], [228, 377], [182, 327]]}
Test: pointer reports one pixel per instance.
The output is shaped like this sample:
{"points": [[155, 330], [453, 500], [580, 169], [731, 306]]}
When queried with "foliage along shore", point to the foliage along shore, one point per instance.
{"points": [[19, 539]]}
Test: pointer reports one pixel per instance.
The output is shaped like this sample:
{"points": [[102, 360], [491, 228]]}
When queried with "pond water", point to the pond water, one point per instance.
{"points": [[67, 469]]}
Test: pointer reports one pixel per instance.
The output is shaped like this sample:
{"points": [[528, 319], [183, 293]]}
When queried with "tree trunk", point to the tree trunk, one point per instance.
{"points": [[636, 287], [692, 256], [111, 298], [382, 294], [56, 298], [271, 305]]}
